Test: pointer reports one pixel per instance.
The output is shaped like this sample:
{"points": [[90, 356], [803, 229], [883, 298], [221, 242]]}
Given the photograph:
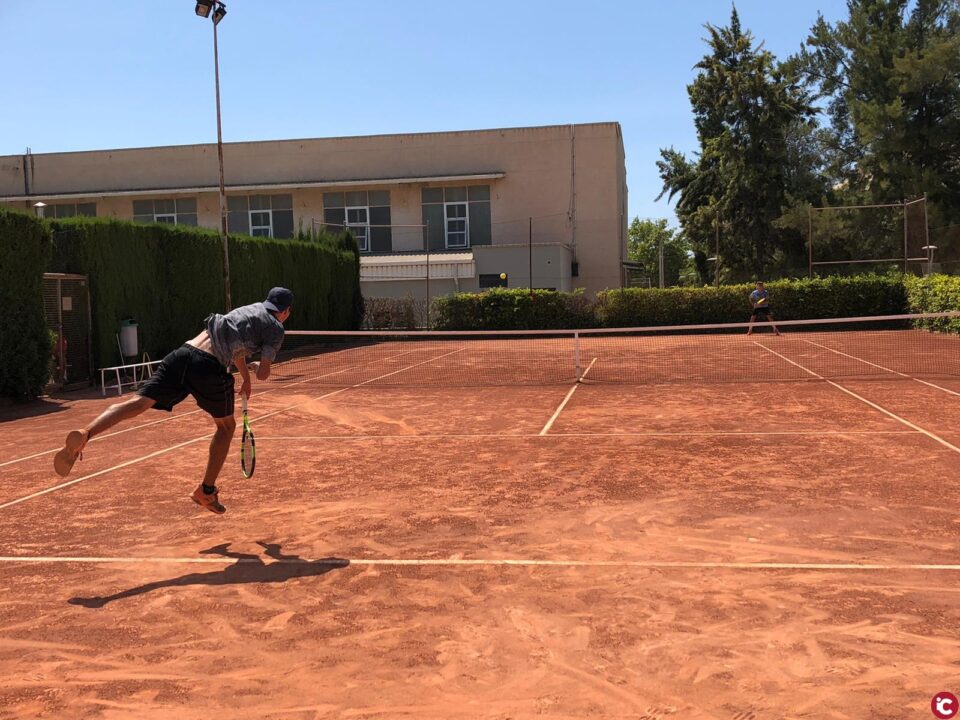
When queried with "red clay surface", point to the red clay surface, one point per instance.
{"points": [[794, 474]]}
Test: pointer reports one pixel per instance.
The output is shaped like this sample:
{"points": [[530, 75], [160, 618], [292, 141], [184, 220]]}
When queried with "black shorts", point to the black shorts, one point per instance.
{"points": [[761, 313], [190, 371]]}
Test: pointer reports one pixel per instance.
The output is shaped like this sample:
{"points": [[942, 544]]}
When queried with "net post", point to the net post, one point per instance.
{"points": [[576, 356]]}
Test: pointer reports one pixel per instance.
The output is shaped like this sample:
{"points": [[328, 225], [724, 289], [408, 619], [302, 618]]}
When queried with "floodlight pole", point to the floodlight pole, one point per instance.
{"points": [[530, 251], [223, 196], [216, 11], [810, 239], [716, 263], [427, 244], [906, 248], [930, 249], [660, 260]]}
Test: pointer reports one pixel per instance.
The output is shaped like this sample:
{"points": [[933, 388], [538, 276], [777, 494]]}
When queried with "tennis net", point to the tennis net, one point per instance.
{"points": [[886, 347]]}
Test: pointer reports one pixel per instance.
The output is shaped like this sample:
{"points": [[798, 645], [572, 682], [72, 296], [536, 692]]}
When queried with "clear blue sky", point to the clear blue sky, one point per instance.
{"points": [[97, 74]]}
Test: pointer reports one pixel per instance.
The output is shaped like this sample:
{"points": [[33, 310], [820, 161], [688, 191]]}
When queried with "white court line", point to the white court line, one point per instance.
{"points": [[909, 424], [552, 436], [101, 472], [203, 437], [481, 562], [881, 367], [553, 418], [177, 416]]}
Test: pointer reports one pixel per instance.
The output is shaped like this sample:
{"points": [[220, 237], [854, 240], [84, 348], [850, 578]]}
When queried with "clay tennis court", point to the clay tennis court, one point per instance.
{"points": [[701, 549]]}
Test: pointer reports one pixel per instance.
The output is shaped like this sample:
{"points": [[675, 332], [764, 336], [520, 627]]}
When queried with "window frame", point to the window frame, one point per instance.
{"points": [[268, 227], [364, 246], [466, 225]]}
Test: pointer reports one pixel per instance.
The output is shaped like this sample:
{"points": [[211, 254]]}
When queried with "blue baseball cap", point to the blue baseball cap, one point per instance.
{"points": [[278, 299]]}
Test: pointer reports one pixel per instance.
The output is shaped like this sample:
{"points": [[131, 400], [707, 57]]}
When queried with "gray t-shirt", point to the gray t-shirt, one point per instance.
{"points": [[249, 329]]}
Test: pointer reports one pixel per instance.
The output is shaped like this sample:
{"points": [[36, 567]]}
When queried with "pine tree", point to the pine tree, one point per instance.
{"points": [[890, 82], [750, 117]]}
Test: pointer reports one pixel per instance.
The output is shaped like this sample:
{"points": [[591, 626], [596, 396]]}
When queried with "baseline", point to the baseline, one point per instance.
{"points": [[486, 562]]}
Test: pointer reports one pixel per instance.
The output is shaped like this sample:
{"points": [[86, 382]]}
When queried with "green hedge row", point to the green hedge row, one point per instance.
{"points": [[789, 300], [502, 309], [936, 293], [25, 344], [169, 278]]}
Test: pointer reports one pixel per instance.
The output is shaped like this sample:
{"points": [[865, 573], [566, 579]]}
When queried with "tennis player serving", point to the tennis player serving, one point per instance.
{"points": [[760, 300], [201, 368]]}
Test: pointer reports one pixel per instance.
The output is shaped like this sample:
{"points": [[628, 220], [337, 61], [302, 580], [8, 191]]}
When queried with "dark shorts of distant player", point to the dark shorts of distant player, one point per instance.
{"points": [[760, 314], [190, 371]]}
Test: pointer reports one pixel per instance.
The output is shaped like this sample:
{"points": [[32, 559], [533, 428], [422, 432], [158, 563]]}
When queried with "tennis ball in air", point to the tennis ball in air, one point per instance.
{"points": [[503, 276]]}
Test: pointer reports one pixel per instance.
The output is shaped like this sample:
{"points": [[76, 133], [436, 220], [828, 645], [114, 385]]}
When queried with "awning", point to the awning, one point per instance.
{"points": [[443, 266]]}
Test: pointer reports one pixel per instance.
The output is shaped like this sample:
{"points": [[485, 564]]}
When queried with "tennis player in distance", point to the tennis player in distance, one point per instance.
{"points": [[760, 299], [201, 368]]}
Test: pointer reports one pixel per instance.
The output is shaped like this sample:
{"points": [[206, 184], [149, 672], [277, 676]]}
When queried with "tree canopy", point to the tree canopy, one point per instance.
{"points": [[867, 111]]}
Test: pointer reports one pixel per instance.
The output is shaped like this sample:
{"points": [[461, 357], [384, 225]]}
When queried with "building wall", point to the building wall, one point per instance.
{"points": [[569, 178], [551, 265]]}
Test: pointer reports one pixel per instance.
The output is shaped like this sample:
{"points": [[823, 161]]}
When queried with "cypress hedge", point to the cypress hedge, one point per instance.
{"points": [[25, 345], [170, 277]]}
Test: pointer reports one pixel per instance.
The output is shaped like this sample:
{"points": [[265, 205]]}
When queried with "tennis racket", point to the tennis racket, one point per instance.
{"points": [[248, 448], [761, 301]]}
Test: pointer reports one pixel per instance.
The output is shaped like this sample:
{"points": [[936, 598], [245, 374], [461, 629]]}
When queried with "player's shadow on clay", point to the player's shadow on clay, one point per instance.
{"points": [[248, 569]]}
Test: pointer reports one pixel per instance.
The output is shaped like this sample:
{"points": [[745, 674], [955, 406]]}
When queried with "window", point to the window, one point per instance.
{"points": [[65, 210], [261, 215], [181, 211], [358, 221], [492, 281], [457, 217], [457, 225], [366, 213]]}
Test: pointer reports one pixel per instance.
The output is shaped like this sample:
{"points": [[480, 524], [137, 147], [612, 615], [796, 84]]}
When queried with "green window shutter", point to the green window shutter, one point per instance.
{"points": [[143, 208], [433, 217], [381, 238], [379, 198], [479, 193], [283, 224], [186, 206], [238, 221], [335, 216], [480, 233], [333, 200], [431, 195]]}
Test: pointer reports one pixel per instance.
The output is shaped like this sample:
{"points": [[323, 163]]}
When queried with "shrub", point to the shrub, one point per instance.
{"points": [[503, 309], [407, 313], [817, 298], [935, 293]]}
